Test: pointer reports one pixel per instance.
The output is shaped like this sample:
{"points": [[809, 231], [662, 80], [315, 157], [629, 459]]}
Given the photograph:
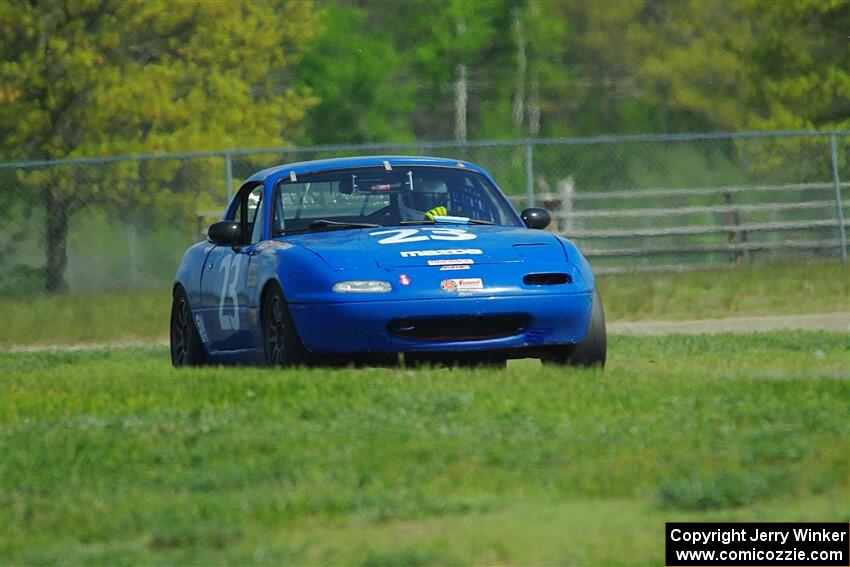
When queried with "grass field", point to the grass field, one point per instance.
{"points": [[112, 457], [760, 289]]}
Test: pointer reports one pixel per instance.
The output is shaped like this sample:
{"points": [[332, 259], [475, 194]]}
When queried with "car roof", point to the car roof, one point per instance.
{"points": [[304, 167]]}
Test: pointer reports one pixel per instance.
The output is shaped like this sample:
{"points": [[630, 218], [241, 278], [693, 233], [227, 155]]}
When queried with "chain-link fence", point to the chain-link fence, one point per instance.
{"points": [[631, 202]]}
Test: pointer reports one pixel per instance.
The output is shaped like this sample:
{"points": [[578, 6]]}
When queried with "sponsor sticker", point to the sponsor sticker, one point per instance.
{"points": [[273, 244], [454, 267], [451, 262], [404, 279], [461, 284], [202, 331], [451, 252]]}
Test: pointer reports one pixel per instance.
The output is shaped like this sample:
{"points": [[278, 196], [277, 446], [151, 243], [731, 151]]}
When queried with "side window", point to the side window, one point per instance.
{"points": [[257, 230], [278, 223], [248, 209], [253, 209]]}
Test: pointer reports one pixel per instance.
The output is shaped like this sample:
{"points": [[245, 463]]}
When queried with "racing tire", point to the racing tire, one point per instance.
{"points": [[186, 346], [592, 350], [281, 345]]}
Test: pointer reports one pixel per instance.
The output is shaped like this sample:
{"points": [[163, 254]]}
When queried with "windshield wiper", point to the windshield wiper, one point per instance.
{"points": [[428, 221], [324, 223]]}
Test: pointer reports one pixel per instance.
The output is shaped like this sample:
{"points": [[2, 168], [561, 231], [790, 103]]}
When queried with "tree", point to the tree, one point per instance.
{"points": [[801, 52], [105, 77], [541, 73], [447, 44], [608, 42], [357, 76], [757, 64]]}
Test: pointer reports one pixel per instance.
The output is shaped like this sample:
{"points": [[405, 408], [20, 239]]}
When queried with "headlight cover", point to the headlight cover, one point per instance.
{"points": [[362, 286]]}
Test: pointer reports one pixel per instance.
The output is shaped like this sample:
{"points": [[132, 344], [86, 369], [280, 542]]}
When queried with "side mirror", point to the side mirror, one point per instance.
{"points": [[225, 233], [536, 217]]}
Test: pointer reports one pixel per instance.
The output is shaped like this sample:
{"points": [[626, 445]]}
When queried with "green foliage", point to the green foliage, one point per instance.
{"points": [[439, 39], [116, 77], [101, 78], [802, 58], [747, 65], [579, 68], [356, 76], [693, 490], [114, 457]]}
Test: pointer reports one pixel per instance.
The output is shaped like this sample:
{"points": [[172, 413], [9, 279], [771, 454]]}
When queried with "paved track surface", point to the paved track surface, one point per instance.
{"points": [[836, 322]]}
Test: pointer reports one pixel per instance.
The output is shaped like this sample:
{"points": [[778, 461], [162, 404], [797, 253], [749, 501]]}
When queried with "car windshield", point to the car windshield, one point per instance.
{"points": [[384, 197]]}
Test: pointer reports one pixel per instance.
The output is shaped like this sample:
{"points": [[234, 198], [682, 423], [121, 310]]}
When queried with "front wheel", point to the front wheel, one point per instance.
{"points": [[592, 350], [186, 347], [281, 344]]}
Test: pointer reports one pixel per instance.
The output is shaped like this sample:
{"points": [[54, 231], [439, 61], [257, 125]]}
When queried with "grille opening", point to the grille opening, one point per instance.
{"points": [[547, 279], [467, 328]]}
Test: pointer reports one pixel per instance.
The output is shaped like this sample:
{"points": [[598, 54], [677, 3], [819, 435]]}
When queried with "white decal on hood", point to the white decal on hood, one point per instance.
{"points": [[402, 235], [451, 261], [399, 236], [458, 252]]}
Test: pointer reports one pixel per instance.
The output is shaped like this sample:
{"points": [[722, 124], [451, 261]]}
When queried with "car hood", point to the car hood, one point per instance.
{"points": [[400, 247]]}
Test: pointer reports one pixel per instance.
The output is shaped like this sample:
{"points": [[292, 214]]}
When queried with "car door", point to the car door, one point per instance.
{"points": [[223, 282]]}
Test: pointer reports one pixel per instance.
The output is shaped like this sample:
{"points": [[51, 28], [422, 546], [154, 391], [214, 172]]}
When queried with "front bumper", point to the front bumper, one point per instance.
{"points": [[362, 327]]}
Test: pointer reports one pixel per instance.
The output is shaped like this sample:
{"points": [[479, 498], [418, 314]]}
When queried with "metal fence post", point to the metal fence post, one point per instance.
{"points": [[132, 238], [839, 214], [733, 218], [228, 172], [566, 194], [529, 173]]}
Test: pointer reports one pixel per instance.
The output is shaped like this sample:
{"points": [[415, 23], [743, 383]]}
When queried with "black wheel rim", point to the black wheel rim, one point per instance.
{"points": [[180, 333], [275, 332]]}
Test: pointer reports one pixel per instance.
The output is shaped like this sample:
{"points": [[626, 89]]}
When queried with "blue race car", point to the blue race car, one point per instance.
{"points": [[362, 259]]}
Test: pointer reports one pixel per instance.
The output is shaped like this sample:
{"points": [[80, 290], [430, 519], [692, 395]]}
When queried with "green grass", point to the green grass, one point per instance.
{"points": [[791, 287], [126, 315], [112, 457], [761, 289]]}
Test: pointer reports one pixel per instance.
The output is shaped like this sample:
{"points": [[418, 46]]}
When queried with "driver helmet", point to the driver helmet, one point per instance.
{"points": [[427, 195]]}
